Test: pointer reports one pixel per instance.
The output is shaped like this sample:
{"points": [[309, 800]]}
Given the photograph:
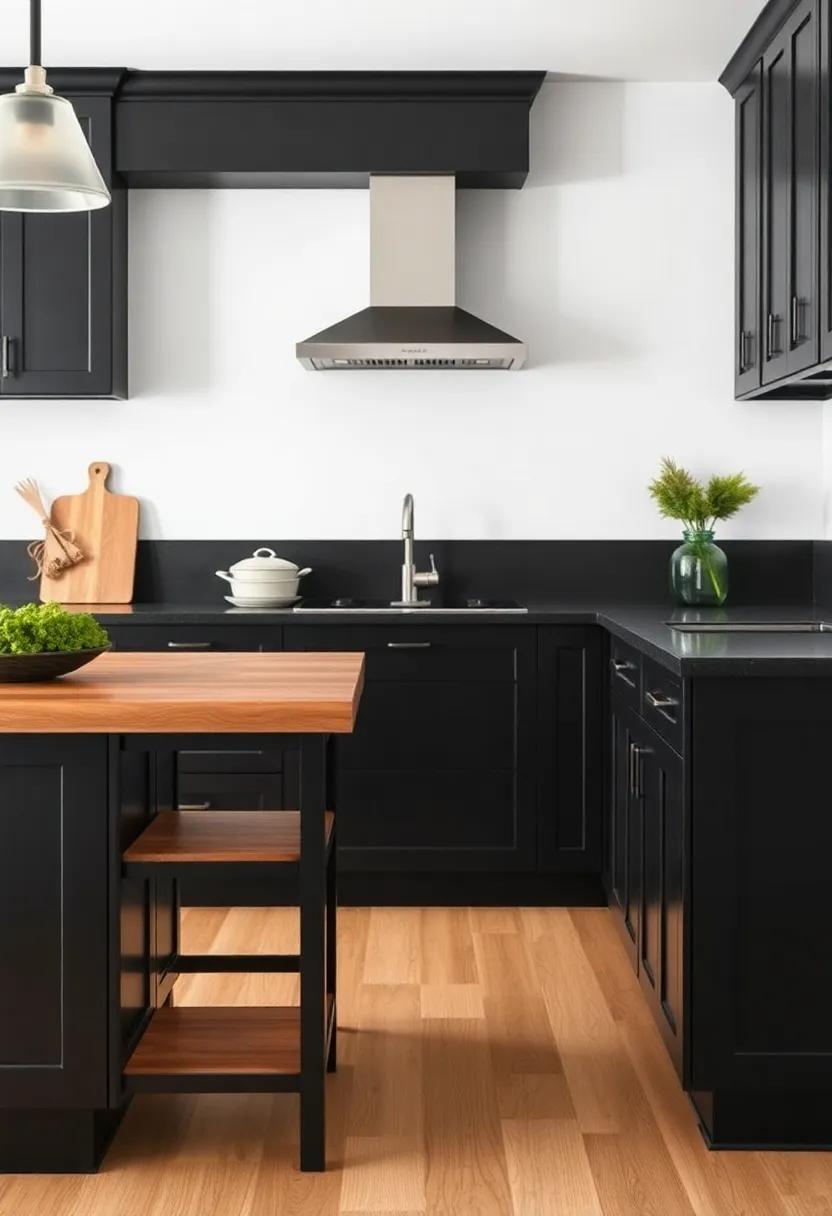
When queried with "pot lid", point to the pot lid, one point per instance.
{"points": [[264, 559]]}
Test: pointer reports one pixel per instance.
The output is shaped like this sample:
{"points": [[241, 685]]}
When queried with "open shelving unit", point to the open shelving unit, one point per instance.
{"points": [[247, 1049]]}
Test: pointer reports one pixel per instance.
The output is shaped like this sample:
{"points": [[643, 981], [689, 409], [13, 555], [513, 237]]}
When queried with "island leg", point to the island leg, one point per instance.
{"points": [[313, 894]]}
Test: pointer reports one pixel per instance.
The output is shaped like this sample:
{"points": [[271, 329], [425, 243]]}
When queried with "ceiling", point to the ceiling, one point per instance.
{"points": [[618, 39]]}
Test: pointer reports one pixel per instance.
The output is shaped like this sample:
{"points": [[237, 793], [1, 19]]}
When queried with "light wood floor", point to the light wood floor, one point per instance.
{"points": [[493, 1062]]}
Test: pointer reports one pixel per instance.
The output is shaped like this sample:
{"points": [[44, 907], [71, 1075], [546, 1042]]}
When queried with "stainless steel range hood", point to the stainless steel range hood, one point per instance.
{"points": [[413, 321]]}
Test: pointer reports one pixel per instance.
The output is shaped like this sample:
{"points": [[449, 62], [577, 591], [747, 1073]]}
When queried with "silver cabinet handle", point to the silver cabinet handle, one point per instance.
{"points": [[408, 645], [770, 347], [630, 785], [638, 752], [797, 305], [746, 338], [190, 645], [5, 363], [193, 806], [659, 701], [620, 667]]}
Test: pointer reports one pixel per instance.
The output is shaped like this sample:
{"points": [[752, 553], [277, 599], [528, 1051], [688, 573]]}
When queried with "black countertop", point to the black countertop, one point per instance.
{"points": [[645, 627]]}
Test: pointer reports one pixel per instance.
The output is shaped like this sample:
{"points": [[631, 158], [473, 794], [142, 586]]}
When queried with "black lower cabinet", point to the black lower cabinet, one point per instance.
{"points": [[761, 1035], [438, 777], [54, 941], [646, 865]]}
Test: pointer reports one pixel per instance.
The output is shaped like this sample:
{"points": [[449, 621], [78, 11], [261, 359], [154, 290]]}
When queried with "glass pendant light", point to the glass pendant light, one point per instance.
{"points": [[45, 162]]}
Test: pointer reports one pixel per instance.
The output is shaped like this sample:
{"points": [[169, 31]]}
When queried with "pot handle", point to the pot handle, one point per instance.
{"points": [[223, 574], [266, 552], [305, 570]]}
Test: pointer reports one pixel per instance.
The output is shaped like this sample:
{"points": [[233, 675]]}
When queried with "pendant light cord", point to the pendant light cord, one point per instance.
{"points": [[34, 32]]}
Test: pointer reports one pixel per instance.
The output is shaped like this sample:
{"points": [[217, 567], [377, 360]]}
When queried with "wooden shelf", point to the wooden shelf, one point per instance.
{"points": [[219, 1042], [174, 837]]}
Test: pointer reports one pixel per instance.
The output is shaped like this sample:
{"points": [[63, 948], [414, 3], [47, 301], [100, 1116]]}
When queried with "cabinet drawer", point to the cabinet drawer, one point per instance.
{"points": [[662, 702], [625, 672], [187, 637], [419, 652], [230, 791], [230, 761]]}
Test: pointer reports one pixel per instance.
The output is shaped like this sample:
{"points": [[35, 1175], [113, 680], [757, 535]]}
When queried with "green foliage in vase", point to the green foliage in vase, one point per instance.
{"points": [[38, 627], [680, 496]]}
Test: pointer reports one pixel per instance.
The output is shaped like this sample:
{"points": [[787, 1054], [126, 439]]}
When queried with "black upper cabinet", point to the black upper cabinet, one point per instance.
{"points": [[790, 175], [749, 117], [63, 288], [778, 79]]}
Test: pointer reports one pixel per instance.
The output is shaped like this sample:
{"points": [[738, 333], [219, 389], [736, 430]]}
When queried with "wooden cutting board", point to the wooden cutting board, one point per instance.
{"points": [[106, 528]]}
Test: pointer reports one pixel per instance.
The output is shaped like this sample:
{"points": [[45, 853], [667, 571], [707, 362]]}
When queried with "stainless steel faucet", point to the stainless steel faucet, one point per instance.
{"points": [[412, 578]]}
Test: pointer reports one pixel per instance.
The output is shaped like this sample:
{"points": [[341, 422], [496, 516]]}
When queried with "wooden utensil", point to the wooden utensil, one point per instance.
{"points": [[57, 551], [106, 528]]}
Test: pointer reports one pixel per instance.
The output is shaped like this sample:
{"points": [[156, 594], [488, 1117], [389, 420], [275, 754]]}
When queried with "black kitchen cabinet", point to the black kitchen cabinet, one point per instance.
{"points": [[63, 288], [779, 78], [439, 774], [748, 193], [657, 782], [624, 845], [570, 716], [53, 921], [791, 118], [646, 864]]}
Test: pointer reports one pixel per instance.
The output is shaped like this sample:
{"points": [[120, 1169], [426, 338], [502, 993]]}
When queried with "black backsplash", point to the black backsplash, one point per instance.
{"points": [[533, 572]]}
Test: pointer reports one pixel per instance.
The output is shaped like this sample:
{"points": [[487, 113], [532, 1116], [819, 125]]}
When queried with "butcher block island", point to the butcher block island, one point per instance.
{"points": [[92, 846]]}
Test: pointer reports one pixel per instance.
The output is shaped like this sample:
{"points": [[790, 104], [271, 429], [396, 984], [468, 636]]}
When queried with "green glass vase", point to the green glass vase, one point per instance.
{"points": [[699, 570]]}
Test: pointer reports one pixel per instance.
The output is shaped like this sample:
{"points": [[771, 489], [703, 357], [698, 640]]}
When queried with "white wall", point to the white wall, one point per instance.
{"points": [[615, 262]]}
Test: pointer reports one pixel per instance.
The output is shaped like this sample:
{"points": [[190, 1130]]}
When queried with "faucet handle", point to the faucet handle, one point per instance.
{"points": [[427, 578]]}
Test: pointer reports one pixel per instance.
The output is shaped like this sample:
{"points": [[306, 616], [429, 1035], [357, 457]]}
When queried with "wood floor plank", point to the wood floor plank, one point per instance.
{"points": [[465, 1161], [548, 1170], [393, 954], [451, 1001], [519, 1031], [587, 1037], [635, 1178], [446, 947], [532, 1097], [388, 1060], [494, 920], [383, 1174]]}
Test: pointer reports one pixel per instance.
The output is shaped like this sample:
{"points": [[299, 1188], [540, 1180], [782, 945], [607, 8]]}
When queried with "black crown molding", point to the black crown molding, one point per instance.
{"points": [[309, 129], [755, 42], [333, 86]]}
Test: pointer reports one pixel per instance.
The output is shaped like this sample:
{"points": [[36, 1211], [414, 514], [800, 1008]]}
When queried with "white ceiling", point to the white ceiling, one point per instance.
{"points": [[619, 39]]}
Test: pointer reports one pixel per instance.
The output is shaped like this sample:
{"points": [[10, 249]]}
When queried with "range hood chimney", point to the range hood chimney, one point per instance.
{"points": [[413, 321]]}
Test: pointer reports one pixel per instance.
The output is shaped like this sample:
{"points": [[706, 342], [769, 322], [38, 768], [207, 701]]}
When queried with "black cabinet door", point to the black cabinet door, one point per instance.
{"points": [[439, 774], [748, 126], [790, 175], [187, 637], [570, 790], [624, 831], [53, 921], [657, 782], [826, 185], [63, 290]]}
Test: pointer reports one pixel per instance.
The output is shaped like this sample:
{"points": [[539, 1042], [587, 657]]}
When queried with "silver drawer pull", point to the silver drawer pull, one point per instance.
{"points": [[620, 668], [193, 806], [408, 645], [658, 701], [190, 645]]}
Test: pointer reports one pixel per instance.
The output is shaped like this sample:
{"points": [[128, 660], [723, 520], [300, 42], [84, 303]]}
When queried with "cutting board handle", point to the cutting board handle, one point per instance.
{"points": [[99, 471]]}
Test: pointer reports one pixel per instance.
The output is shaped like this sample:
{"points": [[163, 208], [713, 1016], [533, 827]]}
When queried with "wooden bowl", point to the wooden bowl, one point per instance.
{"points": [[48, 665]]}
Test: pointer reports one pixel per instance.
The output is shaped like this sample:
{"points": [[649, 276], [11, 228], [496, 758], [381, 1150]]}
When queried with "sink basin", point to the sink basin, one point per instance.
{"points": [[750, 626], [346, 604]]}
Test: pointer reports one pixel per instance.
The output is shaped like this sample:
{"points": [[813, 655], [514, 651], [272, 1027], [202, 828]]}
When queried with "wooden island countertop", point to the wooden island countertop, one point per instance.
{"points": [[158, 693]]}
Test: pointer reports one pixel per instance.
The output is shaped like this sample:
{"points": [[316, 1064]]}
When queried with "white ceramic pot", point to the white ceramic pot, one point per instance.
{"points": [[264, 576]]}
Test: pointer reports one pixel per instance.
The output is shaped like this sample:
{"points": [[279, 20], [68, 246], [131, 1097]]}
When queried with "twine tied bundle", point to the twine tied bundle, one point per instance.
{"points": [[57, 551]]}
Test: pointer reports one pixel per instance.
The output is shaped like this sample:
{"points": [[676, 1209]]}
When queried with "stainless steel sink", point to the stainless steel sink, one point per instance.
{"points": [[477, 606], [750, 626]]}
